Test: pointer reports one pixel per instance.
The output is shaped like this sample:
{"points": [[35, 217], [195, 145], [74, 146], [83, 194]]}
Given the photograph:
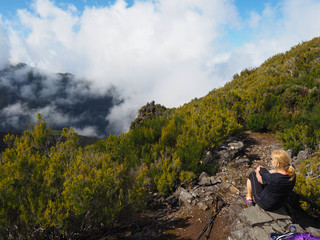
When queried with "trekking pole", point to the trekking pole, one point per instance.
{"points": [[214, 213]]}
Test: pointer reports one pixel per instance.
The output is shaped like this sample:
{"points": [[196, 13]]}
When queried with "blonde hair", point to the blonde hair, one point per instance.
{"points": [[282, 160]]}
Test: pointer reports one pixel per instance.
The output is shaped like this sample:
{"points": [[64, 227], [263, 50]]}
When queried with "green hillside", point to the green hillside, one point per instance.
{"points": [[72, 191]]}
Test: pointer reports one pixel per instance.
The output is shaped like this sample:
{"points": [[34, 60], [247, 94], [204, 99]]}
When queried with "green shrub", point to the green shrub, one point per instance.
{"points": [[308, 185], [295, 138], [256, 123], [62, 190]]}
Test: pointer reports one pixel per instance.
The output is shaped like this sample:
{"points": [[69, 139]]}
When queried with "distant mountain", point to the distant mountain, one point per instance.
{"points": [[63, 100]]}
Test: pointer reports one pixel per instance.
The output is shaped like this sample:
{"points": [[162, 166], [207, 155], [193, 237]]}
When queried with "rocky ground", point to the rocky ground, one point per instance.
{"points": [[184, 214]]}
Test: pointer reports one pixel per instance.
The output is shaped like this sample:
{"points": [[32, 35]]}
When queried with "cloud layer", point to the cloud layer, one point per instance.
{"points": [[167, 51], [62, 99]]}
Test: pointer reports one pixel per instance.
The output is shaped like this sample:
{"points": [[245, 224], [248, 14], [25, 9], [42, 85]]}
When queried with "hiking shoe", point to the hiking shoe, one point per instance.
{"points": [[249, 201]]}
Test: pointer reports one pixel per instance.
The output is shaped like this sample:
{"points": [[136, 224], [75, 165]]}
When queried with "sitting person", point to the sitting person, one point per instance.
{"points": [[271, 190]]}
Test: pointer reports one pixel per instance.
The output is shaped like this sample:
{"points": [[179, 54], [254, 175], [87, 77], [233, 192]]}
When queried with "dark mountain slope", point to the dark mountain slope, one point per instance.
{"points": [[63, 100]]}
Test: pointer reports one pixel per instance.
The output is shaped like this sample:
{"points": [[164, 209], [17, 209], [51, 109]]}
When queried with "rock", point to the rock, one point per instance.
{"points": [[178, 191], [279, 214], [234, 211], [185, 197], [208, 181], [314, 231], [204, 179], [259, 234], [203, 175], [290, 152], [228, 153], [240, 162], [301, 156], [240, 234], [215, 180], [203, 206], [236, 145], [234, 190], [255, 215], [172, 200]]}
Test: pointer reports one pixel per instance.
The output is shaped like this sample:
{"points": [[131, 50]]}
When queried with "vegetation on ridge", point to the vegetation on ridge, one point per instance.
{"points": [[68, 190]]}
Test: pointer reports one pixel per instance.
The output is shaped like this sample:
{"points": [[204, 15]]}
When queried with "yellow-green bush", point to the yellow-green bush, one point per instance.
{"points": [[308, 185], [61, 190]]}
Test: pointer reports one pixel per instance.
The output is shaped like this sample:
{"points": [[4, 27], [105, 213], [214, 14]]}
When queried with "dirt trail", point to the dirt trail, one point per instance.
{"points": [[258, 148]]}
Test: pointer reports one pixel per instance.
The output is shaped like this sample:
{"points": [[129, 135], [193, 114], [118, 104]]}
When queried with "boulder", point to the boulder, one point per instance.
{"points": [[301, 156], [228, 153], [185, 197]]}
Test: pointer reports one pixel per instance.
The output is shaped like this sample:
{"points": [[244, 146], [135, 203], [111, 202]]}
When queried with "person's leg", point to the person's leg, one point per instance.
{"points": [[256, 186], [249, 188]]}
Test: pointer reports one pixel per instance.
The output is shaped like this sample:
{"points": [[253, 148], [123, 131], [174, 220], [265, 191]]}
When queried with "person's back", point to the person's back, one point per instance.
{"points": [[277, 189], [271, 190]]}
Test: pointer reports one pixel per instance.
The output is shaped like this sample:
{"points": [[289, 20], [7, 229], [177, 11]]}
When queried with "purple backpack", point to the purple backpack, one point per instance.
{"points": [[303, 236], [293, 235]]}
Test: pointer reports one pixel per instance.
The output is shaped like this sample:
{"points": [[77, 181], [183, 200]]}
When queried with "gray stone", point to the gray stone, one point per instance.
{"points": [[238, 225], [225, 185], [226, 155], [205, 181], [240, 162], [279, 214], [234, 190], [178, 191], [301, 156], [203, 175], [290, 152], [234, 210], [255, 215], [241, 234], [185, 197], [314, 231], [284, 224], [194, 193], [202, 206], [236, 145], [258, 233], [268, 229], [277, 228], [215, 180]]}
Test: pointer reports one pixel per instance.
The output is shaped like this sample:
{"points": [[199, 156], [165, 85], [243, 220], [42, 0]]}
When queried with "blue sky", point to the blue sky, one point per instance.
{"points": [[170, 51], [244, 7], [10, 7]]}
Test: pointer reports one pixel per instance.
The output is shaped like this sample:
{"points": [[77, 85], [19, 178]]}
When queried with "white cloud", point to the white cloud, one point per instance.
{"points": [[14, 109], [276, 29], [151, 51], [87, 131], [163, 50], [4, 46], [53, 115], [254, 20]]}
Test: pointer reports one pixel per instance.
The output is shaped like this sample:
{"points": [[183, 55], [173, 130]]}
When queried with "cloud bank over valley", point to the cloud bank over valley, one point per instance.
{"points": [[167, 51], [62, 99]]}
